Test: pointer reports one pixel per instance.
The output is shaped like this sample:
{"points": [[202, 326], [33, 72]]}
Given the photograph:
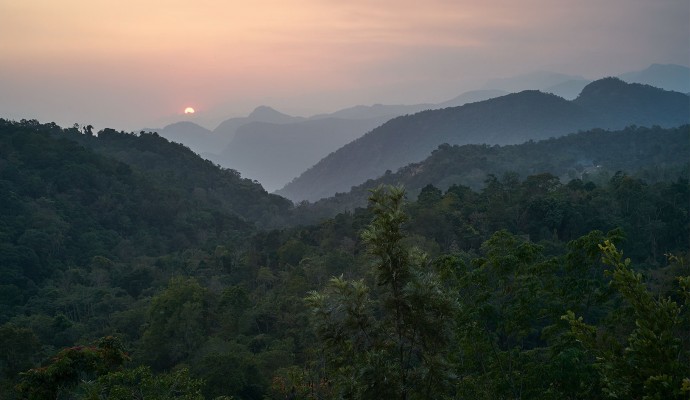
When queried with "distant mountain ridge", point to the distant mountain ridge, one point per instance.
{"points": [[204, 141], [228, 128], [375, 111], [194, 136], [211, 143], [671, 77], [529, 115], [274, 153], [259, 160], [664, 76], [538, 80]]}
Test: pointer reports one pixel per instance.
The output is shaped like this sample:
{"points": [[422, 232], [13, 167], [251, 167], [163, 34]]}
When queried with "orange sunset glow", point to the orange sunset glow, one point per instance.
{"points": [[131, 63]]}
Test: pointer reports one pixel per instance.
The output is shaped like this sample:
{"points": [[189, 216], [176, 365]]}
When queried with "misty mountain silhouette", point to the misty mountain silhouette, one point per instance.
{"points": [[274, 153], [664, 76], [204, 142], [569, 90], [228, 128], [268, 114], [472, 96], [375, 111], [515, 118], [537, 80], [196, 137]]}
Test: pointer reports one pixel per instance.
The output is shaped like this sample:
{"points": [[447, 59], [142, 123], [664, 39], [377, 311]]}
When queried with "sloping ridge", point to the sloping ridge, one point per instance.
{"points": [[194, 136], [619, 104], [274, 153], [575, 155], [515, 118]]}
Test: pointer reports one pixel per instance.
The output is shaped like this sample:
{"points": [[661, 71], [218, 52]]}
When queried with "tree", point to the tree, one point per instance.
{"points": [[141, 383], [19, 349], [389, 342], [653, 361], [178, 323], [71, 366]]}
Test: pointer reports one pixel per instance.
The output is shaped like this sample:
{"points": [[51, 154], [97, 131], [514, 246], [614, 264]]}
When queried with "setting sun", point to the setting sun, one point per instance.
{"points": [[189, 110]]}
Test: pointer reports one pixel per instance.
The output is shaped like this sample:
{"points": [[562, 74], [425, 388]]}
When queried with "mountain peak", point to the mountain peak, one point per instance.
{"points": [[604, 85], [266, 113], [608, 88], [185, 125]]}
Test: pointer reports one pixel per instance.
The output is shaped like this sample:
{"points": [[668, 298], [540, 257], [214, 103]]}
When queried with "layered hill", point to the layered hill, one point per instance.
{"points": [[175, 166], [593, 154], [68, 196], [196, 137], [204, 141], [665, 76], [273, 154], [615, 104], [515, 118], [228, 128]]}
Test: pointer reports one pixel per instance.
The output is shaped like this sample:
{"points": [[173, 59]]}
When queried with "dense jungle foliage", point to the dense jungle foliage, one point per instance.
{"points": [[132, 269]]}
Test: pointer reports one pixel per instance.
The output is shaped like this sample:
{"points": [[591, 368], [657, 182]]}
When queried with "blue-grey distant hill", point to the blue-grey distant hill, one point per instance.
{"points": [[608, 103], [228, 128], [192, 135], [275, 153], [537, 80], [664, 76], [204, 141]]}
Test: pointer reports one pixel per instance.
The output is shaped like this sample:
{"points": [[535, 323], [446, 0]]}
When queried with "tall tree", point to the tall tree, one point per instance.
{"points": [[653, 361], [390, 341]]}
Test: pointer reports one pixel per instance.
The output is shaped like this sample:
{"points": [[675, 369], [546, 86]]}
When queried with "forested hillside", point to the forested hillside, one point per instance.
{"points": [[121, 278], [64, 204], [172, 165], [658, 153], [515, 118]]}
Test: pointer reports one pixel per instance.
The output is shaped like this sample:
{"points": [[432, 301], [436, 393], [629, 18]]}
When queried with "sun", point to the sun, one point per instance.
{"points": [[189, 110]]}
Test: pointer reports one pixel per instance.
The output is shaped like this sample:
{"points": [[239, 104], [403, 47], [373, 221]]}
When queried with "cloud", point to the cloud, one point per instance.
{"points": [[222, 52]]}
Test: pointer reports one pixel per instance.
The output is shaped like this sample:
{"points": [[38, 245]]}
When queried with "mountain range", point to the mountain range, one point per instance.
{"points": [[608, 103], [273, 148], [204, 141], [664, 76], [273, 153]]}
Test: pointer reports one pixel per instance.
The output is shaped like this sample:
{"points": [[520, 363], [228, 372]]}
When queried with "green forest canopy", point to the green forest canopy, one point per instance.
{"points": [[494, 292]]}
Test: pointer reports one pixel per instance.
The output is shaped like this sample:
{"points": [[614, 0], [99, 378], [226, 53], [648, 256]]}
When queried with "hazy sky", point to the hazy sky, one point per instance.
{"points": [[135, 63]]}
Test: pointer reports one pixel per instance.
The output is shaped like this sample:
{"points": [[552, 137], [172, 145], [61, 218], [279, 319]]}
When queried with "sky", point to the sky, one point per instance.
{"points": [[130, 64]]}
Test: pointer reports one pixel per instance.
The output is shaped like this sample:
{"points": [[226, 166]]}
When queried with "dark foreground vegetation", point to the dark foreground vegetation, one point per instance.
{"points": [[130, 268]]}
